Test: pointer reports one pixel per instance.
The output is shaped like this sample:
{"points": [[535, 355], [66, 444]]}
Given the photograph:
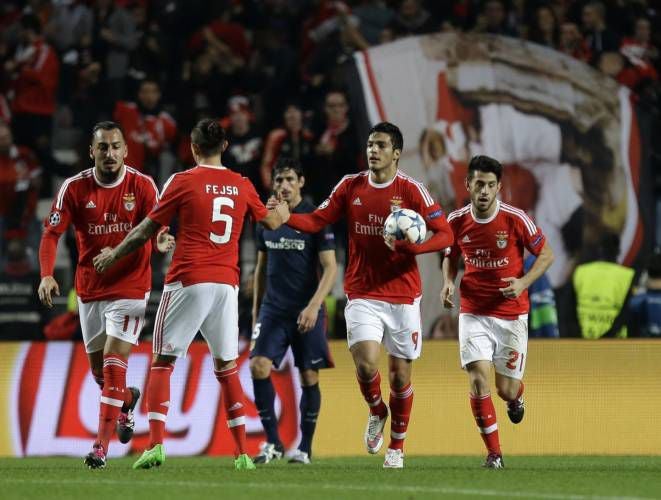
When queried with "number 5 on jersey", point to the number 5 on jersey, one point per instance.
{"points": [[218, 216]]}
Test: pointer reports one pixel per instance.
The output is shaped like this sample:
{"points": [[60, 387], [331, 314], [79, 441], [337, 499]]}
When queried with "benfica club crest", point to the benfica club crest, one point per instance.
{"points": [[501, 239], [395, 203], [129, 201]]}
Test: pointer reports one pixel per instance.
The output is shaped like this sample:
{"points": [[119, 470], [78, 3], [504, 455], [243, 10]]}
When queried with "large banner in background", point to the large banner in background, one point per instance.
{"points": [[49, 402], [567, 135]]}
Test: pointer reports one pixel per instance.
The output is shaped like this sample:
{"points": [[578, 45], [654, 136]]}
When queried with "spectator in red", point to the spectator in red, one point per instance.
{"points": [[293, 140], [20, 178], [34, 71], [640, 55], [572, 43], [149, 131]]}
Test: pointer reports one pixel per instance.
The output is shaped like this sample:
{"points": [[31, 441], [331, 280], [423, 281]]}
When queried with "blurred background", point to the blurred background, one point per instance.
{"points": [[565, 93]]}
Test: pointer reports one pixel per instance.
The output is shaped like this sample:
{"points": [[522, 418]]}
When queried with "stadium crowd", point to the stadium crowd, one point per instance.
{"points": [[272, 69]]}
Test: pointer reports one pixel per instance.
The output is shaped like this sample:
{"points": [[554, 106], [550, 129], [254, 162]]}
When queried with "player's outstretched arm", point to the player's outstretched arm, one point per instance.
{"points": [[277, 216], [134, 240], [164, 240], [449, 268]]}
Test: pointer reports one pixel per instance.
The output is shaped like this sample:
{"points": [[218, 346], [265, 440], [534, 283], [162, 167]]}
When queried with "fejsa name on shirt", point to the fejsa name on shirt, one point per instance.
{"points": [[226, 190]]}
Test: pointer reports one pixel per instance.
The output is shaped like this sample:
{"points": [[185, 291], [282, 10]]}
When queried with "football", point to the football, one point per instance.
{"points": [[405, 223]]}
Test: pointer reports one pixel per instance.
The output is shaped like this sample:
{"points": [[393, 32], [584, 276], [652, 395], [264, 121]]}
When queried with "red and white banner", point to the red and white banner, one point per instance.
{"points": [[50, 403], [567, 135]]}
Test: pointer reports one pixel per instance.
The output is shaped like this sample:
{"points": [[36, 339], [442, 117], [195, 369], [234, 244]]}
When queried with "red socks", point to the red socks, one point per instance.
{"points": [[401, 402], [485, 417], [371, 390], [158, 400], [113, 396], [233, 400]]}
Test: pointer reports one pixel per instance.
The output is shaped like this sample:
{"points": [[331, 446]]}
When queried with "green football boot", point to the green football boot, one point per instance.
{"points": [[151, 458], [244, 462]]}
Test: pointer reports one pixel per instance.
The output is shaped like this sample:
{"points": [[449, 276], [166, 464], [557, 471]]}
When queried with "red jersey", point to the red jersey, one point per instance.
{"points": [[19, 192], [102, 215], [374, 271], [493, 249], [211, 204]]}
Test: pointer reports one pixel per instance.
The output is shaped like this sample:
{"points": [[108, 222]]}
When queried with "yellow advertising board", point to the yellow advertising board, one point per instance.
{"points": [[582, 397]]}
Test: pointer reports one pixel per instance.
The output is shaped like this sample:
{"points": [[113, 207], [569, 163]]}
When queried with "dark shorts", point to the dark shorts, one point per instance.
{"points": [[274, 334]]}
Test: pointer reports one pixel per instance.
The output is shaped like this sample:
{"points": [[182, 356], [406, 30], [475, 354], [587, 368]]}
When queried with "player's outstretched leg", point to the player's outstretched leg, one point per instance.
{"points": [[401, 403], [152, 457], [485, 417], [234, 403], [272, 449], [96, 459], [309, 406], [126, 421], [516, 407], [376, 420]]}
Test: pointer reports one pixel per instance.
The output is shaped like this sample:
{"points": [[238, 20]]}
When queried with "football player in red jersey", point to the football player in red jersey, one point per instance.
{"points": [[201, 287], [104, 203], [493, 318], [382, 281]]}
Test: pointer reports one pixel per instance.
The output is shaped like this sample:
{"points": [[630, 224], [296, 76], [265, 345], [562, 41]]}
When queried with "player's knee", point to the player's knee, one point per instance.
{"points": [[365, 369], [260, 367], [97, 373], [399, 379], [479, 384]]}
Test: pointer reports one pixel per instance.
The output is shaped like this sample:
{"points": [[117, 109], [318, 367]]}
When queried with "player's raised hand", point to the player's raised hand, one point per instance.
{"points": [[515, 288], [447, 293], [307, 318], [47, 287], [164, 240], [104, 260]]}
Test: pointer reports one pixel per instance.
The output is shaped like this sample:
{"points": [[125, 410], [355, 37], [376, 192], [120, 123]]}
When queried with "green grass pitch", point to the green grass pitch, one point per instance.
{"points": [[554, 478]]}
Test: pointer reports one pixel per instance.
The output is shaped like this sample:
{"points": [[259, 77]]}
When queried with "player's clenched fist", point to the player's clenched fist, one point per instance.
{"points": [[47, 286]]}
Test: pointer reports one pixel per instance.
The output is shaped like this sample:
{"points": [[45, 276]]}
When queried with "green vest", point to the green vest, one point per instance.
{"points": [[601, 288]]}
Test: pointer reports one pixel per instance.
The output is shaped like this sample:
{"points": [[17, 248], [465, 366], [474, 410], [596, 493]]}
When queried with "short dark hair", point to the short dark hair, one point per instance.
{"points": [[482, 163], [393, 131], [106, 125], [287, 163], [209, 136]]}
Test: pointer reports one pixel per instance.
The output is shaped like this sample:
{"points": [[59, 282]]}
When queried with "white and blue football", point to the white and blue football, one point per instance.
{"points": [[405, 223]]}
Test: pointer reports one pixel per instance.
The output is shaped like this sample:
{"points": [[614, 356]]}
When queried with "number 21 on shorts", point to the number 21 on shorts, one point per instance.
{"points": [[511, 362]]}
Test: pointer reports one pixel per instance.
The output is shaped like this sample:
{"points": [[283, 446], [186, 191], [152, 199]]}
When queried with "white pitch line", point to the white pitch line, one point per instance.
{"points": [[330, 486]]}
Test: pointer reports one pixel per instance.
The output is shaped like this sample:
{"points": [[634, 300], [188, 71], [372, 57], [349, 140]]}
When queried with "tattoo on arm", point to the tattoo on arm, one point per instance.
{"points": [[138, 236]]}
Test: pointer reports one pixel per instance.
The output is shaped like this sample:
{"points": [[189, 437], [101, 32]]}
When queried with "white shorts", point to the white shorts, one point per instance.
{"points": [[501, 341], [122, 319], [210, 308], [398, 325]]}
